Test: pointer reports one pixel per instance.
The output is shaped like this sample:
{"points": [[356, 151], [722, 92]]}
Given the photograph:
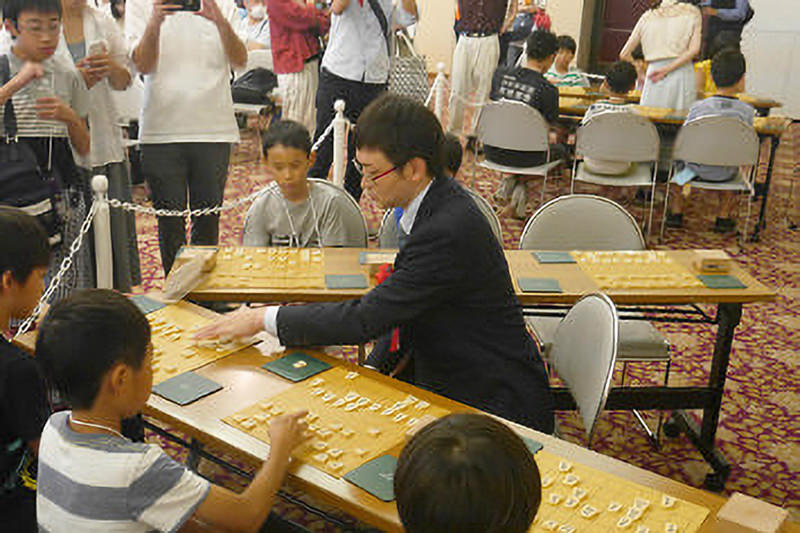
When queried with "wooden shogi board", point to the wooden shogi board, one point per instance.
{"points": [[174, 350], [568, 489], [278, 268], [352, 418], [636, 270]]}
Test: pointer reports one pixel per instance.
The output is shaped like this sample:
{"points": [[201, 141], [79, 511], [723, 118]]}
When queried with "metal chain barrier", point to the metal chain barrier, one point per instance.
{"points": [[142, 209], [66, 264]]}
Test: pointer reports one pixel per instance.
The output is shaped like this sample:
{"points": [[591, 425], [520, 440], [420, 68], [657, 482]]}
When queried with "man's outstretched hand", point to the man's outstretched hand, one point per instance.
{"points": [[244, 322]]}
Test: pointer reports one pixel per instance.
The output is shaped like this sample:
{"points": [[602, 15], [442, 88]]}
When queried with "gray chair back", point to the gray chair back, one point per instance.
{"points": [[721, 141], [513, 126], [352, 217], [583, 354], [618, 137], [581, 222], [387, 234]]}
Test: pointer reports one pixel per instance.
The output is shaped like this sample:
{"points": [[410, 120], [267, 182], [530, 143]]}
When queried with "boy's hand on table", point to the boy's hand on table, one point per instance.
{"points": [[287, 432], [244, 322]]}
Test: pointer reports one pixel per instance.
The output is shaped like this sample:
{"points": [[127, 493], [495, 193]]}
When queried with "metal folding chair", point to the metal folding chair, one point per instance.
{"points": [[515, 126], [719, 141], [619, 137]]}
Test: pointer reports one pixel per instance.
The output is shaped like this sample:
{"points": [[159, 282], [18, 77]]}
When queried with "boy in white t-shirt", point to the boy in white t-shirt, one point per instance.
{"points": [[95, 348]]}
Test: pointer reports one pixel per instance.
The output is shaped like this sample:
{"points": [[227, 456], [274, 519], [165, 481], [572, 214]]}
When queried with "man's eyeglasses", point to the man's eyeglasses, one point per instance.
{"points": [[360, 168]]}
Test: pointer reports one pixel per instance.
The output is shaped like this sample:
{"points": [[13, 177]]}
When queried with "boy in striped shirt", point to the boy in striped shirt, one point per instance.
{"points": [[95, 348], [560, 73]]}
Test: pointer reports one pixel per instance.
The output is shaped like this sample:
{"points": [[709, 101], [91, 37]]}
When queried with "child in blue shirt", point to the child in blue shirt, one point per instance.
{"points": [[728, 69]]}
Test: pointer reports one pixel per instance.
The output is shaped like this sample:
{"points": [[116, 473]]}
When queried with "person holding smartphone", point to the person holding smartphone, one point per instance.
{"points": [[93, 42], [186, 50]]}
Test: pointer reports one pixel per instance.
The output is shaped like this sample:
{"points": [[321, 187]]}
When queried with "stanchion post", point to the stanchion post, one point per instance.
{"points": [[438, 106], [339, 143], [102, 234]]}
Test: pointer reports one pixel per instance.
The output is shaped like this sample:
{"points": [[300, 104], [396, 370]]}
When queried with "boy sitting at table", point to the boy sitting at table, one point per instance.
{"points": [[728, 69], [299, 213], [24, 257], [467, 472], [620, 80], [561, 73], [95, 348]]}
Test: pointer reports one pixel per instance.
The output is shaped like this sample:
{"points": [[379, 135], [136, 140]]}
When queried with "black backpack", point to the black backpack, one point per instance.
{"points": [[254, 86], [22, 182]]}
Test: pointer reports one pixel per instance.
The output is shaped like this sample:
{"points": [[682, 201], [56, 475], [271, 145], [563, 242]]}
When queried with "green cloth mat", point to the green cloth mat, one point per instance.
{"points": [[285, 366], [539, 285], [146, 305], [553, 257], [345, 281], [717, 281], [186, 388], [375, 477]]}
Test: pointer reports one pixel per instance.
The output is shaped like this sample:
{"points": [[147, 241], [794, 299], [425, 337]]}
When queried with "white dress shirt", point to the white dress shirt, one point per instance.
{"points": [[406, 222]]}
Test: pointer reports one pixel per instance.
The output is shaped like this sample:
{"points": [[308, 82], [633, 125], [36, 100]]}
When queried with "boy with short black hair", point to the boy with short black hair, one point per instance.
{"points": [[562, 74], [467, 472], [24, 257], [527, 85], [95, 348], [620, 80], [50, 99], [728, 69], [299, 213]]}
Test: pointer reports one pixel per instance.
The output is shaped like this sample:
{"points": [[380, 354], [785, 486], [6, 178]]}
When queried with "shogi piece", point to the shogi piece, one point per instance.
{"points": [[743, 514]]}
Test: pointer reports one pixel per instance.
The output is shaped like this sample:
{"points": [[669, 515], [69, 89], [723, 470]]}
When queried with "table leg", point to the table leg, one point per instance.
{"points": [[762, 222], [728, 317], [195, 453]]}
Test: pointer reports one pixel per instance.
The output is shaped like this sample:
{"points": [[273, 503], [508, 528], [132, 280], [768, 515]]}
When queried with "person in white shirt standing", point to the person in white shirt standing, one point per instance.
{"points": [[92, 40], [355, 68], [187, 124]]}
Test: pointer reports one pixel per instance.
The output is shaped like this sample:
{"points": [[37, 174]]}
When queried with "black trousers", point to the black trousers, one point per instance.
{"points": [[356, 95], [175, 171]]}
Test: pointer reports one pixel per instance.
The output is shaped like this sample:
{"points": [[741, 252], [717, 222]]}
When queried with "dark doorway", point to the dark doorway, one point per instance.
{"points": [[613, 22]]}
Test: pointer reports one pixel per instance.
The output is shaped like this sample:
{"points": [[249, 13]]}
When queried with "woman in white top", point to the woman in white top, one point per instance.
{"points": [[93, 42], [670, 34]]}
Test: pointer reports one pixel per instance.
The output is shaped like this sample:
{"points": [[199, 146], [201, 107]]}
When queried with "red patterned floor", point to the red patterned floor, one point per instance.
{"points": [[759, 428]]}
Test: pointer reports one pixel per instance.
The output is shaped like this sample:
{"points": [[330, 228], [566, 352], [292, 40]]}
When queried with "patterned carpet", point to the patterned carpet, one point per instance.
{"points": [[759, 429]]}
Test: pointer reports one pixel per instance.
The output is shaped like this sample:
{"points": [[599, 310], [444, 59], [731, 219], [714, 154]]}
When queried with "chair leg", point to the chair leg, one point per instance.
{"points": [[574, 173], [652, 203], [544, 187], [666, 208]]}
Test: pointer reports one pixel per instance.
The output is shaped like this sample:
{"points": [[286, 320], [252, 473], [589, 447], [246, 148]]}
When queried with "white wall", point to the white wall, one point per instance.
{"points": [[771, 43]]}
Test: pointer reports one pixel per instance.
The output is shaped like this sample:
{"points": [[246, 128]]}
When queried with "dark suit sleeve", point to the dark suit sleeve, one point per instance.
{"points": [[427, 275]]}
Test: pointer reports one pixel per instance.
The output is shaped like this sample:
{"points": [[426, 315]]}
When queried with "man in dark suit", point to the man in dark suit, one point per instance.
{"points": [[450, 293]]}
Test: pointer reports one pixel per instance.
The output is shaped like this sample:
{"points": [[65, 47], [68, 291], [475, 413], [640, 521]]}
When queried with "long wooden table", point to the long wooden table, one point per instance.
{"points": [[572, 109], [244, 383], [762, 105], [658, 303]]}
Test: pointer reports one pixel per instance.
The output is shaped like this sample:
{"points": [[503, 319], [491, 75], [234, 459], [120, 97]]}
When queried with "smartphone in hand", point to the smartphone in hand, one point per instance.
{"points": [[188, 5]]}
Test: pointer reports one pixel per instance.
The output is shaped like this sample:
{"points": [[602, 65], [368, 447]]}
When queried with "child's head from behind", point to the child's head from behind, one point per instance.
{"points": [[453, 154], [723, 40], [727, 70], [24, 258], [94, 348], [566, 52], [35, 26], [621, 78], [541, 48], [287, 152], [467, 472]]}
